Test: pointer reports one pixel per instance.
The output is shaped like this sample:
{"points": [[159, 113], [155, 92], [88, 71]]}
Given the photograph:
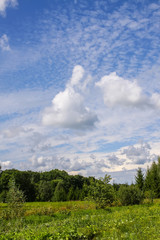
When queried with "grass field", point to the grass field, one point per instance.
{"points": [[81, 220]]}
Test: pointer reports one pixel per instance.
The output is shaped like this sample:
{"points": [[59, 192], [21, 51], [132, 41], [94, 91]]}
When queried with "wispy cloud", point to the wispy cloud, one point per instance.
{"points": [[4, 4], [4, 43]]}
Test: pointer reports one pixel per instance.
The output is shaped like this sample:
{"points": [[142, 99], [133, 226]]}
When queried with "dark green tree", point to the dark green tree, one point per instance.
{"points": [[60, 193], [44, 191], [102, 192], [130, 195], [149, 191], [139, 179], [152, 180], [70, 195]]}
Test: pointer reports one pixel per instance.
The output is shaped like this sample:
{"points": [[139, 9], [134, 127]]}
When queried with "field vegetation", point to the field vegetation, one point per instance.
{"points": [[81, 220]]}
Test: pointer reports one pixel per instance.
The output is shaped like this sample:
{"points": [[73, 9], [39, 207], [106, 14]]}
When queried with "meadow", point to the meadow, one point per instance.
{"points": [[81, 220]]}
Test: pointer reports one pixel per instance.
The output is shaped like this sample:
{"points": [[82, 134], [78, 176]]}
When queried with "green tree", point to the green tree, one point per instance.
{"points": [[70, 195], [44, 191], [15, 199], [60, 193], [139, 179], [102, 192], [149, 191], [130, 195], [4, 180], [152, 180]]}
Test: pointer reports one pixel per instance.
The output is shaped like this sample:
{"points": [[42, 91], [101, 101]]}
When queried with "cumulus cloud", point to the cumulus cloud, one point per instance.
{"points": [[139, 154], [4, 43], [44, 163], [114, 160], [80, 165], [118, 91], [68, 108], [6, 165], [5, 4], [84, 164]]}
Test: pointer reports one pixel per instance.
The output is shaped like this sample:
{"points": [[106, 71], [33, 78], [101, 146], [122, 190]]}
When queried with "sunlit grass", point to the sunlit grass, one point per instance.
{"points": [[80, 220]]}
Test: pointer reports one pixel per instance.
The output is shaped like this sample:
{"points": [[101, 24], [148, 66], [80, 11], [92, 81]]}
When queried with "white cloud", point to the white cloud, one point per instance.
{"points": [[4, 43], [139, 154], [118, 91], [44, 163], [68, 108], [5, 4], [6, 165], [77, 75], [114, 160]]}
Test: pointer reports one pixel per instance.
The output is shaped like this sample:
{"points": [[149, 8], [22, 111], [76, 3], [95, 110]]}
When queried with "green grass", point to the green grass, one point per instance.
{"points": [[80, 220]]}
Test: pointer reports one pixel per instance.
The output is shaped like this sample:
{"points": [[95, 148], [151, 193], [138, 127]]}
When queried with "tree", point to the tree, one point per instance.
{"points": [[4, 180], [152, 180], [102, 192], [60, 193], [130, 195], [70, 195], [140, 179], [44, 191], [15, 200]]}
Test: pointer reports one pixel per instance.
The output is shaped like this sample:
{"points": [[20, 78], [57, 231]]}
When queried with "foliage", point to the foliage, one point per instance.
{"points": [[15, 199], [140, 179], [138, 222], [152, 180], [44, 186], [102, 192], [130, 195], [44, 191], [60, 193], [56, 185]]}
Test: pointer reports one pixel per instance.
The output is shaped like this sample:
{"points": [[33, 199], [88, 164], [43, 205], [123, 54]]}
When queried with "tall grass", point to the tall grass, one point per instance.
{"points": [[80, 220]]}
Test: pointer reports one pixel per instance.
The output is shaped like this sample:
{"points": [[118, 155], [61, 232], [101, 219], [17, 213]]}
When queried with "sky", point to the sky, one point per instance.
{"points": [[80, 86]]}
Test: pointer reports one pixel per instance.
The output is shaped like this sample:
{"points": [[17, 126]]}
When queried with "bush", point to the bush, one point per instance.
{"points": [[130, 195], [15, 199], [102, 192]]}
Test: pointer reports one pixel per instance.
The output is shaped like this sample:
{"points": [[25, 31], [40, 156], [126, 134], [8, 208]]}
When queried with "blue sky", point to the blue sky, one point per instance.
{"points": [[80, 86]]}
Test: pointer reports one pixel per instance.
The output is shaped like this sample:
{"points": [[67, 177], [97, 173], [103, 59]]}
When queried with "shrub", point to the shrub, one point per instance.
{"points": [[15, 199], [130, 195], [102, 192]]}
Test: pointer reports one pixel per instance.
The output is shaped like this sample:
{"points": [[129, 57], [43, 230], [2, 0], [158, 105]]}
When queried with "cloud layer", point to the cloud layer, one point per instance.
{"points": [[118, 119], [119, 164]]}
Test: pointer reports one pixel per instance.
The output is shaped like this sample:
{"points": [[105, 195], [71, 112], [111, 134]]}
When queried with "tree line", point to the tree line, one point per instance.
{"points": [[56, 185]]}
